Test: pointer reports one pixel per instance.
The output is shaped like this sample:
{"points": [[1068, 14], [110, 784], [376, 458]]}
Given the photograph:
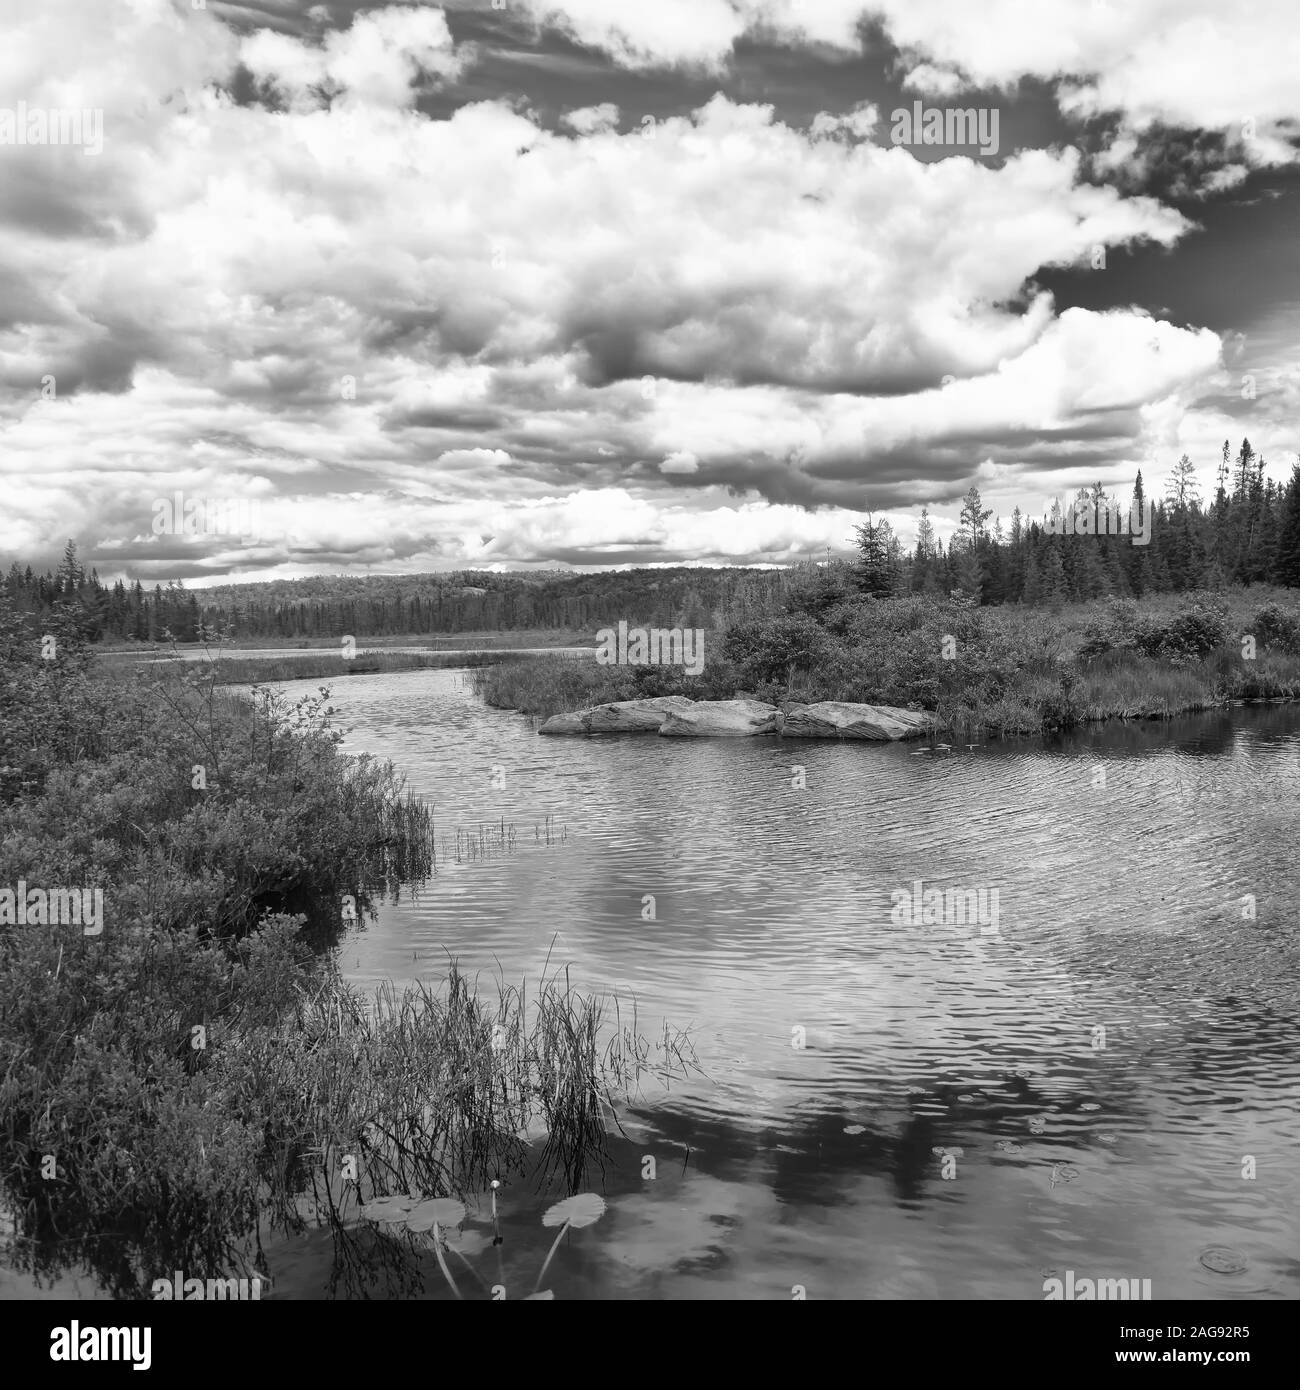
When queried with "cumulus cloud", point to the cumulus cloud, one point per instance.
{"points": [[379, 60], [402, 334], [587, 120], [934, 81], [1182, 63]]}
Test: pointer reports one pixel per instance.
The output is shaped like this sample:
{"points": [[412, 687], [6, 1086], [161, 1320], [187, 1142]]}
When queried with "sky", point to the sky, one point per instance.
{"points": [[508, 284]]}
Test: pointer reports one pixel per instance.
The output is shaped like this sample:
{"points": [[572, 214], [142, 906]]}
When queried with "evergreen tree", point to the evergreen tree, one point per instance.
{"points": [[973, 516], [1182, 489], [1286, 559], [70, 574], [876, 569]]}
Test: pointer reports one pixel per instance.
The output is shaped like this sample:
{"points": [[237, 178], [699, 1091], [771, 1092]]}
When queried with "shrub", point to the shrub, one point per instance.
{"points": [[1196, 629], [1276, 626], [1117, 628], [774, 649]]}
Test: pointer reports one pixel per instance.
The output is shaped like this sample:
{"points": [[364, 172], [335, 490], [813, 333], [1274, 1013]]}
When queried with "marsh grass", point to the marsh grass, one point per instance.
{"points": [[249, 670], [439, 1092], [549, 685], [165, 1164], [484, 841], [216, 665]]}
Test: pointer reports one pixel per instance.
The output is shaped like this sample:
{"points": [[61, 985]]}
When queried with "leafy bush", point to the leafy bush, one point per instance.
{"points": [[776, 648], [1276, 626], [1117, 628], [1196, 629]]}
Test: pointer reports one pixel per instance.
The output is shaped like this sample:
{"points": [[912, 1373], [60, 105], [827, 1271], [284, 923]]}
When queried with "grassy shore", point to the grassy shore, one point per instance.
{"points": [[187, 1082], [1000, 671], [479, 640], [310, 665]]}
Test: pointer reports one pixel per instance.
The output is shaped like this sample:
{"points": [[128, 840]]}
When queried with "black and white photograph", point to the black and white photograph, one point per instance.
{"points": [[649, 652]]}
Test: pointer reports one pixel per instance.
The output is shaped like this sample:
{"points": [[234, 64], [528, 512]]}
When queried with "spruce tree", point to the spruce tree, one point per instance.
{"points": [[1286, 559]]}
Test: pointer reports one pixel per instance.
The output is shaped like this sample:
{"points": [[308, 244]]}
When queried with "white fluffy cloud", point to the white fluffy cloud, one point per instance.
{"points": [[378, 60], [934, 81], [402, 333], [588, 120], [1192, 63]]}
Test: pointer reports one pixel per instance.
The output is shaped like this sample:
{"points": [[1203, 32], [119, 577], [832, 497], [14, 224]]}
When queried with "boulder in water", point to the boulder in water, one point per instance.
{"points": [[722, 719], [840, 719], [618, 717]]}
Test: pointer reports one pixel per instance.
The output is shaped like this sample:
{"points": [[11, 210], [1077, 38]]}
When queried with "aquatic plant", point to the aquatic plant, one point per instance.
{"points": [[432, 1219]]}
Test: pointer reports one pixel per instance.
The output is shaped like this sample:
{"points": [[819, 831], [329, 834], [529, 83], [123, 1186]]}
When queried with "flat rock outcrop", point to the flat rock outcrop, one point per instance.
{"points": [[722, 719], [840, 719], [618, 717], [675, 716]]}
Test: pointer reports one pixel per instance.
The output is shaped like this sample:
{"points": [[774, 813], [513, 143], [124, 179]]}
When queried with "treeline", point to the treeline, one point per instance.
{"points": [[1248, 533], [330, 606]]}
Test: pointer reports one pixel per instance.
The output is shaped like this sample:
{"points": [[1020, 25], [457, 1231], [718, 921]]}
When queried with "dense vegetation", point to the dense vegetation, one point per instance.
{"points": [[191, 1079], [1008, 670]]}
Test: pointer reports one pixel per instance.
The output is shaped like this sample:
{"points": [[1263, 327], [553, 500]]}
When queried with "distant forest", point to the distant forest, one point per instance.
{"points": [[1248, 533]]}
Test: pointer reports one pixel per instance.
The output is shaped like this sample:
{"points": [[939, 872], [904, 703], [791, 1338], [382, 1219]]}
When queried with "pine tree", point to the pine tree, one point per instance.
{"points": [[70, 572], [875, 572], [1221, 490], [970, 574], [973, 516], [1033, 591], [1286, 562], [1182, 489], [1133, 558]]}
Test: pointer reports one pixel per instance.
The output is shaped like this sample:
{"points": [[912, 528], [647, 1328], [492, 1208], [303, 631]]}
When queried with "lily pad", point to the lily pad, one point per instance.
{"points": [[388, 1211], [1008, 1147], [438, 1211], [582, 1210], [855, 1129], [1090, 1105], [1222, 1259]]}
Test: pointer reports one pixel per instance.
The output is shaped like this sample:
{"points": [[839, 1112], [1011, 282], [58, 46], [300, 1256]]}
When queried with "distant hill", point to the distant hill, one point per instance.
{"points": [[472, 600]]}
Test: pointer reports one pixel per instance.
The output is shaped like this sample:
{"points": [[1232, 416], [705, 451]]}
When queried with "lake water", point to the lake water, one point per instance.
{"points": [[1106, 1072], [280, 653]]}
